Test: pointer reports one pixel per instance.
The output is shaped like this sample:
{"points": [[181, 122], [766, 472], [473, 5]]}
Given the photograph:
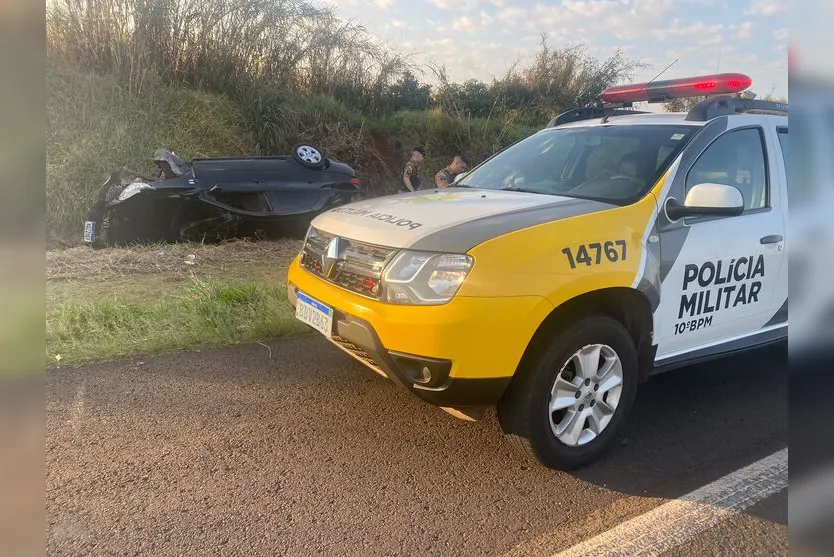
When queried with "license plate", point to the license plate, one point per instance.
{"points": [[89, 231], [314, 313]]}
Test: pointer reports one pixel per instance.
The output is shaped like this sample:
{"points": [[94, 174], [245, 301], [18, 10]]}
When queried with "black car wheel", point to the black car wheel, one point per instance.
{"points": [[570, 400], [308, 156]]}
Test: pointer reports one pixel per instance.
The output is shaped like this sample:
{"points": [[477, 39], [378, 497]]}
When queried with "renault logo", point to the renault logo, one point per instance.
{"points": [[330, 256]]}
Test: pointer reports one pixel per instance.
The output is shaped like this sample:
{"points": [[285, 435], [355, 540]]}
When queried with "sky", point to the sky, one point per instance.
{"points": [[482, 38]]}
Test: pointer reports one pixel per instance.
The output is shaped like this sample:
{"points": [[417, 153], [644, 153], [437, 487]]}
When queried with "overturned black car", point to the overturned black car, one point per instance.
{"points": [[210, 200]]}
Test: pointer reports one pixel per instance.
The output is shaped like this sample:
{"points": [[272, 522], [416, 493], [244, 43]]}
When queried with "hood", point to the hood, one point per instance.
{"points": [[447, 220]]}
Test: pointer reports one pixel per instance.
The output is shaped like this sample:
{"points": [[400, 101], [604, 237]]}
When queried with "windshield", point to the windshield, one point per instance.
{"points": [[617, 164]]}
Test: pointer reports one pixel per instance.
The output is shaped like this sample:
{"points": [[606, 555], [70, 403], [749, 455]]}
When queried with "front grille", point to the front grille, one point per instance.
{"points": [[356, 266]]}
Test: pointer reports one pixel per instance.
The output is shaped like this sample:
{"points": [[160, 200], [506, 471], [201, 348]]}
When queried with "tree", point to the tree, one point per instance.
{"points": [[684, 104], [408, 94], [688, 103], [564, 78]]}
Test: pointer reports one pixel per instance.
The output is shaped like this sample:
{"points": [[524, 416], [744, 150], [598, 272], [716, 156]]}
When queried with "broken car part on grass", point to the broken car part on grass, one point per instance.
{"points": [[216, 199]]}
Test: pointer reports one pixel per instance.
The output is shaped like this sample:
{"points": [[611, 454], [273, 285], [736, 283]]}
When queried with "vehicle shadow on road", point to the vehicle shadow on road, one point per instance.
{"points": [[692, 425]]}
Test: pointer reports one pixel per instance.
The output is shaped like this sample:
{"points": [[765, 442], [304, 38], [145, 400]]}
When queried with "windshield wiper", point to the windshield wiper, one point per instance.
{"points": [[458, 186], [522, 190]]}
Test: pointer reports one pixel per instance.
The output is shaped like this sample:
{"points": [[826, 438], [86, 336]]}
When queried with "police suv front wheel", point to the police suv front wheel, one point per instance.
{"points": [[570, 398]]}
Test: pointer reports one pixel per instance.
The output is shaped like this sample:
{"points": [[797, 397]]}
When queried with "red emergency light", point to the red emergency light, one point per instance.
{"points": [[662, 91]]}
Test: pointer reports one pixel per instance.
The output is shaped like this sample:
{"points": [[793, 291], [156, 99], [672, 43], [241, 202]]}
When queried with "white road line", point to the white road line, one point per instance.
{"points": [[677, 521]]}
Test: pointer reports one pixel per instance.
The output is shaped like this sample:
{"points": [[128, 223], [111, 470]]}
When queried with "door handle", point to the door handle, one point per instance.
{"points": [[772, 239]]}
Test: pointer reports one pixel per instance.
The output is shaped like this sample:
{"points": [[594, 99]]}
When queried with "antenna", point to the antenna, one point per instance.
{"points": [[664, 71]]}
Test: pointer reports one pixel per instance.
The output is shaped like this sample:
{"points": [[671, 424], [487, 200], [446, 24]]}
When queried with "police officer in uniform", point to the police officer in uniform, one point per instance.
{"points": [[412, 173], [448, 174]]}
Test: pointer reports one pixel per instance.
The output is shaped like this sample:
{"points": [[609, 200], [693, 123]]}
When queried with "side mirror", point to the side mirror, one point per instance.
{"points": [[707, 200], [460, 177]]}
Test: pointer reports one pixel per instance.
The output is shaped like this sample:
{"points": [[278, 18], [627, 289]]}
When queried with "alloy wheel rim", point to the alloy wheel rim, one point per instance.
{"points": [[309, 154], [585, 394]]}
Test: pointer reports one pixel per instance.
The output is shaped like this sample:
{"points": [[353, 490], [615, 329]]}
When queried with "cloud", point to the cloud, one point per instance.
{"points": [[703, 34], [782, 34], [457, 5], [610, 18], [653, 9], [745, 30], [701, 60], [766, 7], [512, 15], [446, 41], [382, 4], [775, 66], [464, 24], [498, 32]]}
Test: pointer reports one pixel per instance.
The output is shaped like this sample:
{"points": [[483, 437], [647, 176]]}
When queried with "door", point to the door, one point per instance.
{"points": [[779, 306], [720, 275]]}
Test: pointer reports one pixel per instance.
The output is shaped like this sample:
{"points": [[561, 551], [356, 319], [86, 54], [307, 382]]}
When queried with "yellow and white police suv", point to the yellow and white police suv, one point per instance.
{"points": [[563, 271]]}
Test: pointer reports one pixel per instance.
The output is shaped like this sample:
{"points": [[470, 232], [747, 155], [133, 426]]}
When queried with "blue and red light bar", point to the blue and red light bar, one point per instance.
{"points": [[662, 91]]}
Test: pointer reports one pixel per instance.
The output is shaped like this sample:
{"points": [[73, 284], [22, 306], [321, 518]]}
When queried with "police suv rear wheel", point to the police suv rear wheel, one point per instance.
{"points": [[568, 402]]}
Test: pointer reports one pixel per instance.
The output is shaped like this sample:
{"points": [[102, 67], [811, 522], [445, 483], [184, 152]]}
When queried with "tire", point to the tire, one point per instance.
{"points": [[309, 156], [524, 410]]}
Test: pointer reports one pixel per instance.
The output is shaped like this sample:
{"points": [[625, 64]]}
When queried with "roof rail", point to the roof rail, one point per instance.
{"points": [[726, 105], [590, 113]]}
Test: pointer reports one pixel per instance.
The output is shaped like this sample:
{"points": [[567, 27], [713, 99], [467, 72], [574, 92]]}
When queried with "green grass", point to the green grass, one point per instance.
{"points": [[106, 304], [203, 313]]}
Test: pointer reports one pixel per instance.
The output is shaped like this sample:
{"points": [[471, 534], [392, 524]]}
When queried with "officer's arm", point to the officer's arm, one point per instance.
{"points": [[440, 180]]}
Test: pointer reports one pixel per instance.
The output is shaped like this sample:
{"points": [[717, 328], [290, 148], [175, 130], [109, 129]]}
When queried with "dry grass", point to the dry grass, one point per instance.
{"points": [[168, 260]]}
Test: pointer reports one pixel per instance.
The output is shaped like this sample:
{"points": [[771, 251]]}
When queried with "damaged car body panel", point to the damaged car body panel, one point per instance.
{"points": [[214, 199]]}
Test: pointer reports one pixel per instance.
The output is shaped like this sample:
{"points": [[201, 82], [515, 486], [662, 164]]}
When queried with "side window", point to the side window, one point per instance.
{"points": [[783, 143], [736, 159]]}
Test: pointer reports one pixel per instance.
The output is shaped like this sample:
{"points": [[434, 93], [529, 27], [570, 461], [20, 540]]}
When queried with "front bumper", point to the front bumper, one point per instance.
{"points": [[471, 346]]}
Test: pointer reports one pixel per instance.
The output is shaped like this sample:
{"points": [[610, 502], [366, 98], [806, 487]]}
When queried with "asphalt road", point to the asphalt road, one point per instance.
{"points": [[234, 452]]}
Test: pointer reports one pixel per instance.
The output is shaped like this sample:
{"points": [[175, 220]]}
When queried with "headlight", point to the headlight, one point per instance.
{"points": [[420, 278], [133, 189]]}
